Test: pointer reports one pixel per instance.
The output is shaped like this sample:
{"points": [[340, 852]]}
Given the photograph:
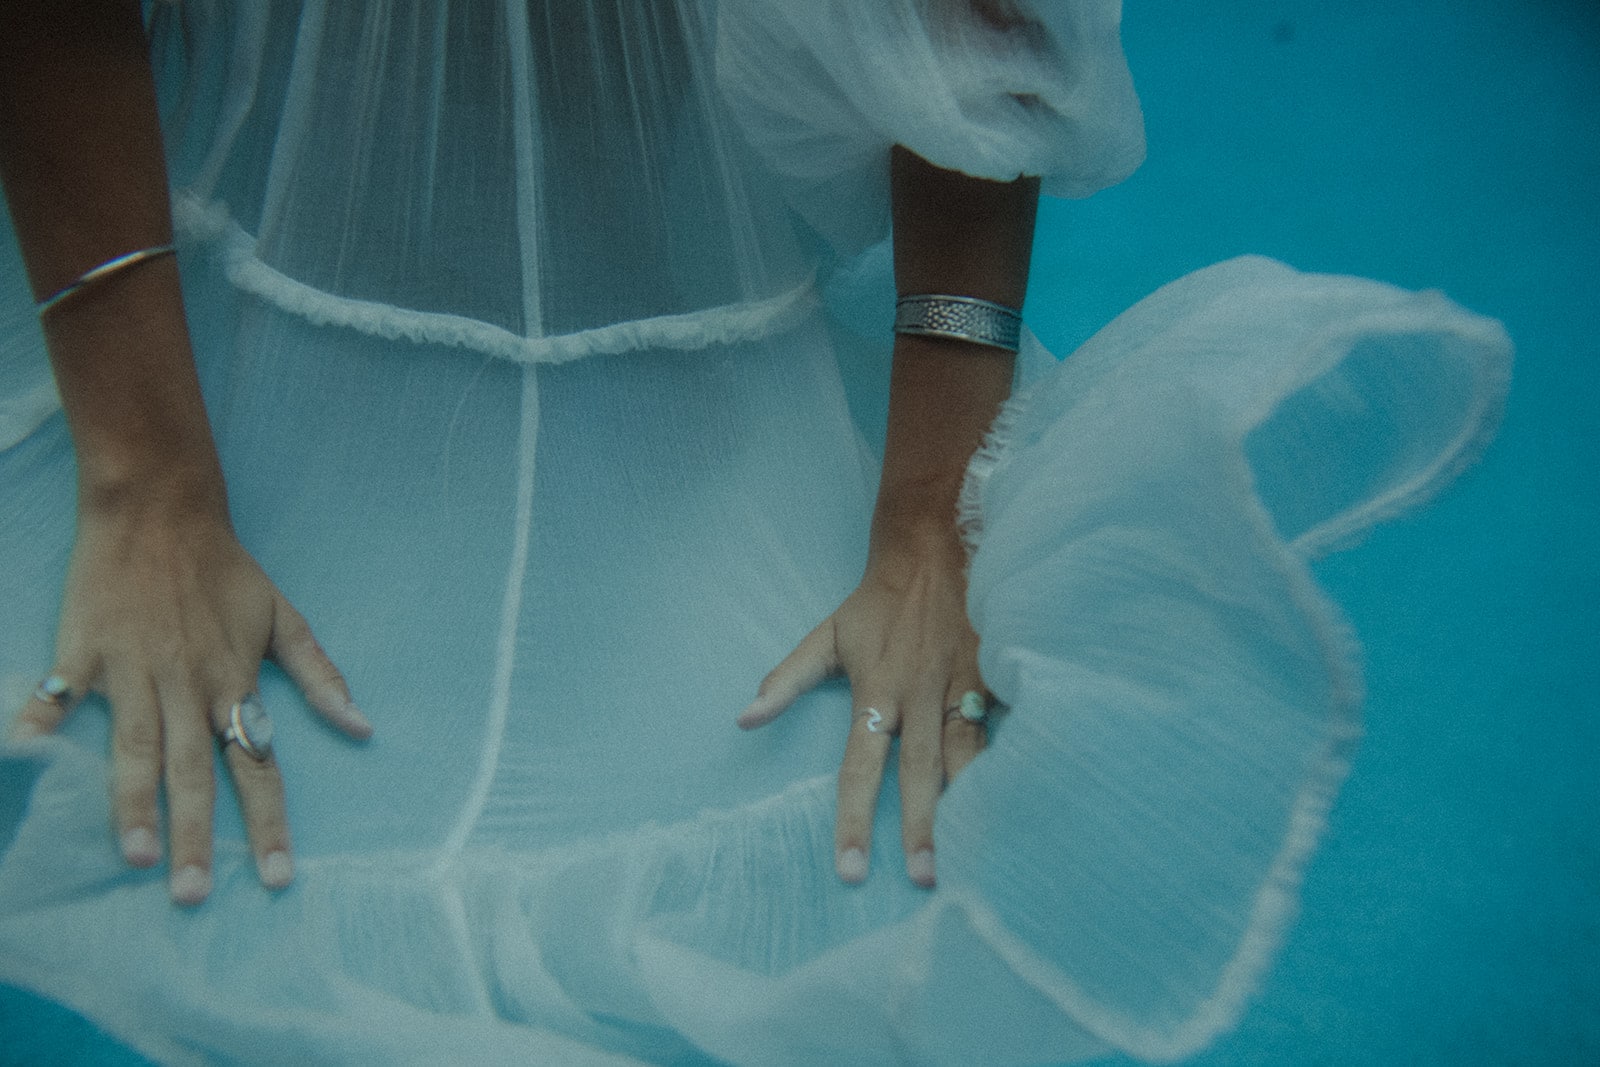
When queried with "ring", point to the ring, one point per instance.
{"points": [[249, 728], [970, 707], [873, 720], [55, 690]]}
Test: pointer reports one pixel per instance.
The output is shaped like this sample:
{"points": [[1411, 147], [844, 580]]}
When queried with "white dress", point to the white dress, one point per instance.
{"points": [[528, 400]]}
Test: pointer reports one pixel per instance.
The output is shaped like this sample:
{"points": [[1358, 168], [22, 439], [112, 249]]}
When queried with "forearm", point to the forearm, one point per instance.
{"points": [[82, 164], [956, 236]]}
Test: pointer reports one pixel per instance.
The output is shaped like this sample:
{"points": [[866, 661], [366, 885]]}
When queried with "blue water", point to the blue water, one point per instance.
{"points": [[1453, 916]]}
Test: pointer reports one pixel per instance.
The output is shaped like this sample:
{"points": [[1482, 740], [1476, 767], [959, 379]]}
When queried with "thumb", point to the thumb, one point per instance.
{"points": [[814, 660]]}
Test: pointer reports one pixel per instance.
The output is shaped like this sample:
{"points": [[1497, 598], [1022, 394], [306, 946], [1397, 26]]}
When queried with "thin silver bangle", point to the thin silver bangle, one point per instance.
{"points": [[110, 266], [962, 318]]}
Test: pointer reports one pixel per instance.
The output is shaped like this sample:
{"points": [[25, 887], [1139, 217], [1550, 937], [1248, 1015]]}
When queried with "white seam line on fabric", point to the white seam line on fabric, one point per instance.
{"points": [[528, 145], [449, 890], [454, 904], [527, 454], [510, 612], [526, 150], [701, 329]]}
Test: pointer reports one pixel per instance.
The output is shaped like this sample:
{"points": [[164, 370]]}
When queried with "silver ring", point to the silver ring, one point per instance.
{"points": [[55, 690], [971, 707], [250, 728], [872, 719]]}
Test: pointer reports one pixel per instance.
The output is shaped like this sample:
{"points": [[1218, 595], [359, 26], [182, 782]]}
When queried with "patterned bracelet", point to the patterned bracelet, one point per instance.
{"points": [[962, 318], [110, 266]]}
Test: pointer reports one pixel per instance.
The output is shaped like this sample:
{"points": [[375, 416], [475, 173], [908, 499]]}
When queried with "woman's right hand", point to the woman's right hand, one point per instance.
{"points": [[164, 613], [168, 617]]}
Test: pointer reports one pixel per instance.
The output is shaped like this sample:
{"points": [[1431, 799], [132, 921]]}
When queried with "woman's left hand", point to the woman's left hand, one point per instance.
{"points": [[903, 637], [904, 642]]}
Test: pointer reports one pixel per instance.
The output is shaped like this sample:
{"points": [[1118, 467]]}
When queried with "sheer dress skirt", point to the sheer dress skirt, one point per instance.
{"points": [[527, 401]]}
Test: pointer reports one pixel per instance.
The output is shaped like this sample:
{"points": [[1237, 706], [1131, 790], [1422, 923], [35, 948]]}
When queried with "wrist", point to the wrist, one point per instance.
{"points": [[919, 502], [126, 376], [920, 528], [943, 396], [188, 487]]}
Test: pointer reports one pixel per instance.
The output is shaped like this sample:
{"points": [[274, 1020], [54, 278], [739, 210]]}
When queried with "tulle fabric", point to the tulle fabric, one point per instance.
{"points": [[538, 421], [994, 88]]}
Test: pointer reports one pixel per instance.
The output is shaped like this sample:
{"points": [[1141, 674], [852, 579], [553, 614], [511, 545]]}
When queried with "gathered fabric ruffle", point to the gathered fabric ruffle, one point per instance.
{"points": [[708, 327], [1144, 519], [462, 173], [558, 576], [1116, 869], [993, 89]]}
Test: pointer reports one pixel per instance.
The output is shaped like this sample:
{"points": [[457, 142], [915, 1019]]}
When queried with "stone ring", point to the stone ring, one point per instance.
{"points": [[250, 728], [56, 690], [971, 707]]}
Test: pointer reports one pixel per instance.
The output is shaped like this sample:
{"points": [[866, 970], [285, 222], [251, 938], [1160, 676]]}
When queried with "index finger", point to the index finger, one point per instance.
{"points": [[295, 648]]}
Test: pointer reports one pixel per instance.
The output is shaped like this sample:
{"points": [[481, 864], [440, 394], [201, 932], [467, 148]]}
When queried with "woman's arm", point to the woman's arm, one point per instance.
{"points": [[80, 154], [164, 613], [903, 637]]}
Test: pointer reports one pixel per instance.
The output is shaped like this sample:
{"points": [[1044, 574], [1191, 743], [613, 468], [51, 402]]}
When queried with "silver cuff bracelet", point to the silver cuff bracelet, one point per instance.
{"points": [[962, 318]]}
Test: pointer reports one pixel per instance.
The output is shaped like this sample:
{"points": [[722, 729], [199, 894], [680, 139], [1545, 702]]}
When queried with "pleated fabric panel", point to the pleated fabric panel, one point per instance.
{"points": [[525, 400]]}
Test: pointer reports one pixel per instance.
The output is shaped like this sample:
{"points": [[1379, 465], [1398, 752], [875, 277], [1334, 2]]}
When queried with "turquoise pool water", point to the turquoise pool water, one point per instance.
{"points": [[1453, 916]]}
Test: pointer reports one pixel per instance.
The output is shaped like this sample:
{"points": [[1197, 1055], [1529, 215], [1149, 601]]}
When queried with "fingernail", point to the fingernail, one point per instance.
{"points": [[755, 715], [276, 869], [852, 866], [141, 847], [189, 886], [359, 724], [919, 865]]}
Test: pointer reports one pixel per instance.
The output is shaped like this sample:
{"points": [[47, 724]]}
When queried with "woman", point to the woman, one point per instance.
{"points": [[156, 551], [558, 563]]}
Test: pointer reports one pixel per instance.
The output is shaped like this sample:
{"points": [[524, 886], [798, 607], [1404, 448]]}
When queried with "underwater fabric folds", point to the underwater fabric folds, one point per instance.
{"points": [[995, 90], [555, 531], [1115, 870]]}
